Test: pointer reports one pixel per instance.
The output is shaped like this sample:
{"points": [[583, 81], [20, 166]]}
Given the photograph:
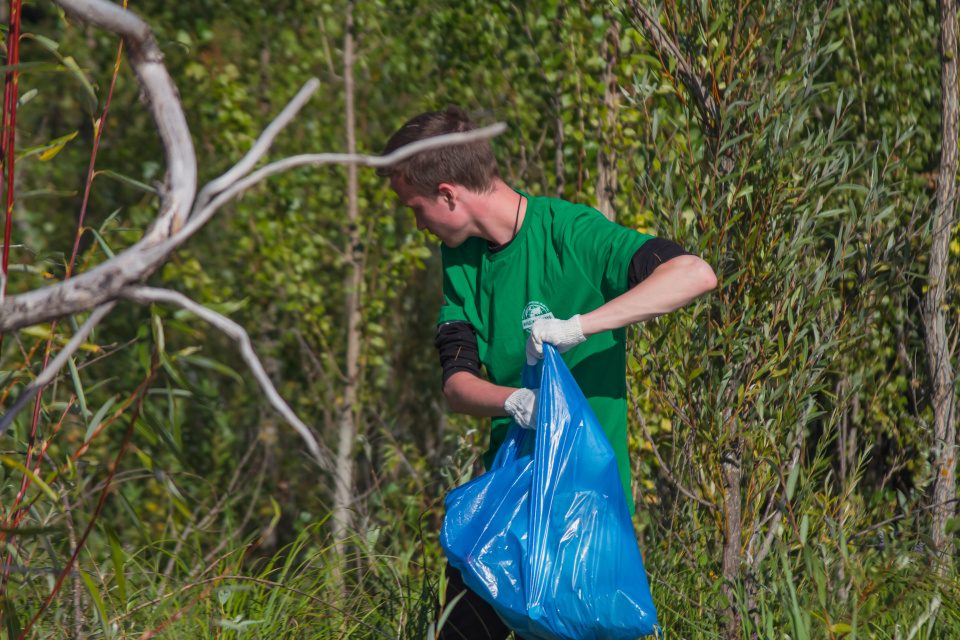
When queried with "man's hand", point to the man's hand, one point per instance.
{"points": [[522, 406], [562, 334]]}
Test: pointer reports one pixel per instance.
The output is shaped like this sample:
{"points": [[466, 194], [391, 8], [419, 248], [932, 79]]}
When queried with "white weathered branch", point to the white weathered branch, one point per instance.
{"points": [[148, 295], [260, 147], [315, 159], [103, 283], [47, 375], [181, 213], [163, 102], [106, 281]]}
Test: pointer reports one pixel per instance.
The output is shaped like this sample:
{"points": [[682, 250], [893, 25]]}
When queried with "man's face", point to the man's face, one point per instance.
{"points": [[435, 215]]}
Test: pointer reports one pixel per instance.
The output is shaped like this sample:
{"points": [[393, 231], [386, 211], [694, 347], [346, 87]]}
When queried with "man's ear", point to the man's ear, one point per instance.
{"points": [[449, 194]]}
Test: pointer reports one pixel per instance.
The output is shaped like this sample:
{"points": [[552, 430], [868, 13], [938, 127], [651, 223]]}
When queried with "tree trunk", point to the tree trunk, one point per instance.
{"points": [[559, 169], [851, 441], [264, 88], [342, 520], [731, 471], [942, 395], [607, 155]]}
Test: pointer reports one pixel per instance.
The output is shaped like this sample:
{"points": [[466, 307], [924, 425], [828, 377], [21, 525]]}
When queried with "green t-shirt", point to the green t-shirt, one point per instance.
{"points": [[565, 259]]}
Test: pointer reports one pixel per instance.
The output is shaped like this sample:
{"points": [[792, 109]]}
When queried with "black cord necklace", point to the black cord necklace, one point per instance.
{"points": [[516, 221]]}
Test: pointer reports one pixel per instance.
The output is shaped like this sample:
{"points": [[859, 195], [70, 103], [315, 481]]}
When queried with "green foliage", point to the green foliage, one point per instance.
{"points": [[802, 373], [812, 235]]}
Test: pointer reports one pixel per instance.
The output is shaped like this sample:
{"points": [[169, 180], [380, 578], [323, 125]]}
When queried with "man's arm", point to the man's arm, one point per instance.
{"points": [[663, 287], [466, 393], [464, 389], [672, 285]]}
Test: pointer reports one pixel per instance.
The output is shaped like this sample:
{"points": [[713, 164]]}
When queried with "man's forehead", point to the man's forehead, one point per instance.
{"points": [[401, 188], [407, 194]]}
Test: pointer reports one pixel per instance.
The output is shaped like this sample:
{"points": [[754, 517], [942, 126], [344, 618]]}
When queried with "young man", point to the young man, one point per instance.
{"points": [[521, 271]]}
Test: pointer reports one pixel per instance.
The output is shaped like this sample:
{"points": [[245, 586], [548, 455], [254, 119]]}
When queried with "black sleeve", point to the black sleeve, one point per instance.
{"points": [[457, 344], [649, 256]]}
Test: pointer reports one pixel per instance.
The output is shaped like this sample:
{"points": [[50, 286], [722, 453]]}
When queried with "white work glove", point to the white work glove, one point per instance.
{"points": [[522, 406], [562, 334]]}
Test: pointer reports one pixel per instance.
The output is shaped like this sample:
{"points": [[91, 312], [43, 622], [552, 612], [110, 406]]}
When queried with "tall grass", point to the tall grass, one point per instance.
{"points": [[303, 590], [190, 531]]}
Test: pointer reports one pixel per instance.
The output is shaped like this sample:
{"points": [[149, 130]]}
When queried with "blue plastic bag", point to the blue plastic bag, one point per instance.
{"points": [[546, 538]]}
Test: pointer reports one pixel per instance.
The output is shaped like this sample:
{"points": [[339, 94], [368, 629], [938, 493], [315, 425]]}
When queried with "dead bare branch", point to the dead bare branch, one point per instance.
{"points": [[317, 159], [260, 147], [148, 295], [163, 102], [106, 281], [103, 283], [47, 375], [181, 214]]}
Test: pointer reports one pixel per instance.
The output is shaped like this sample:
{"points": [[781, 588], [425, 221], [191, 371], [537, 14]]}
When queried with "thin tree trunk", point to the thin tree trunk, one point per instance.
{"points": [[607, 178], [731, 472], [842, 444], [78, 613], [942, 394], [264, 88], [560, 170], [851, 452], [346, 421], [558, 140]]}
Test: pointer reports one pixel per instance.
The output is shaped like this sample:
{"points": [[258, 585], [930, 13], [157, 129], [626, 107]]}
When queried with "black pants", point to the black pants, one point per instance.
{"points": [[471, 618]]}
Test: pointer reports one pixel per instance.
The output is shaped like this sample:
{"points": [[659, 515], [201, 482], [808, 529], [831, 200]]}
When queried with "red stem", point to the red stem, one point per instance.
{"points": [[12, 125], [9, 125], [99, 124], [9, 106], [141, 391], [97, 134]]}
